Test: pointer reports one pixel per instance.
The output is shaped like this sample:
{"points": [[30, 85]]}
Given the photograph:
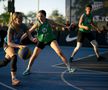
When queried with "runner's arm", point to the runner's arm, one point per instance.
{"points": [[80, 24]]}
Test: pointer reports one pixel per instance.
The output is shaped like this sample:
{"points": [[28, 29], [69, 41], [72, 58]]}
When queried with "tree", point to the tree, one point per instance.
{"points": [[4, 18], [57, 17], [31, 16]]}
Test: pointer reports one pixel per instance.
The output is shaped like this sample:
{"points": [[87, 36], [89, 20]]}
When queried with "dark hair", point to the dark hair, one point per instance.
{"points": [[43, 12], [89, 5]]}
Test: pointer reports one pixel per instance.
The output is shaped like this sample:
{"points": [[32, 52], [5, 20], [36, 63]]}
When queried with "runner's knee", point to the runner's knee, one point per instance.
{"points": [[4, 62], [94, 43], [78, 45]]}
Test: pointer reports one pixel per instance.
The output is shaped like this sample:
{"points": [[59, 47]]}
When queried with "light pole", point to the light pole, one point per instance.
{"points": [[38, 5], [11, 7]]}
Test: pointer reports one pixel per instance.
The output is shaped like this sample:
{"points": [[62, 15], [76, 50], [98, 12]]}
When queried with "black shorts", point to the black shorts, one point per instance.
{"points": [[41, 45], [83, 35]]}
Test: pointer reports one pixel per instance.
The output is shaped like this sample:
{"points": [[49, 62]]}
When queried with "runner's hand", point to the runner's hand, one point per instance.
{"points": [[21, 46]]}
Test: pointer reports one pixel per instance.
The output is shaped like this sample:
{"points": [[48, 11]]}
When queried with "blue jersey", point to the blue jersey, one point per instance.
{"points": [[16, 34]]}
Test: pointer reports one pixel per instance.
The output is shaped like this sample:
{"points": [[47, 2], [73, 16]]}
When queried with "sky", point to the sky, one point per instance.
{"points": [[32, 5]]}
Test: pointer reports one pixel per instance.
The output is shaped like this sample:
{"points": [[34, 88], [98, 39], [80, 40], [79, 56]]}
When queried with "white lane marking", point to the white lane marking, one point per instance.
{"points": [[57, 65], [11, 88], [46, 72], [69, 84]]}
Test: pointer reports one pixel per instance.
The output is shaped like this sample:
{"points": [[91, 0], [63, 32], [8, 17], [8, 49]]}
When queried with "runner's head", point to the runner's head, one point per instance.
{"points": [[41, 16], [16, 19], [88, 9]]}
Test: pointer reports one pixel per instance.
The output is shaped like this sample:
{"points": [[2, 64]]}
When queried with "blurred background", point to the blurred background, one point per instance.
{"points": [[61, 11]]}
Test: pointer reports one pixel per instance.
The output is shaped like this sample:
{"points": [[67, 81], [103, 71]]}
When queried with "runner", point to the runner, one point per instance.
{"points": [[45, 37], [85, 25]]}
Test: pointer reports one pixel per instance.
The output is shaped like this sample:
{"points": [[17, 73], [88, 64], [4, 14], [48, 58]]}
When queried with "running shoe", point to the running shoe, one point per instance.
{"points": [[71, 70], [15, 82], [101, 58], [26, 72]]}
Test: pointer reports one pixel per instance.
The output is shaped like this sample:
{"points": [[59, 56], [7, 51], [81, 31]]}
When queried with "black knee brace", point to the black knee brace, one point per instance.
{"points": [[14, 63], [4, 62]]}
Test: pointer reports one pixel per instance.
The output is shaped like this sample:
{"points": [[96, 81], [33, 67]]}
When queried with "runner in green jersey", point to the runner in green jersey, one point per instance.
{"points": [[44, 32], [85, 25], [87, 20], [45, 37]]}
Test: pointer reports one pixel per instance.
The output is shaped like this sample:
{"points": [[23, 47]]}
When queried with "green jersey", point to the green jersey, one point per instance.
{"points": [[44, 32], [86, 21]]}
